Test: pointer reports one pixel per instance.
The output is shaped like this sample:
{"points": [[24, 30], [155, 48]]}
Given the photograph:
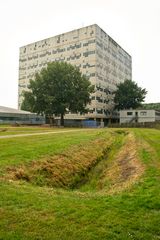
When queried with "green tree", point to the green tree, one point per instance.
{"points": [[57, 89], [155, 106], [129, 95], [28, 102]]}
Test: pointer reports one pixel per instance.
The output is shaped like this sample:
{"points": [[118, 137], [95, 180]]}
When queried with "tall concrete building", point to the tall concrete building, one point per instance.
{"points": [[97, 55]]}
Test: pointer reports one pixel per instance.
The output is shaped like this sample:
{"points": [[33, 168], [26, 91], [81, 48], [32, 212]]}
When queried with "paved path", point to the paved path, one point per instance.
{"points": [[41, 133]]}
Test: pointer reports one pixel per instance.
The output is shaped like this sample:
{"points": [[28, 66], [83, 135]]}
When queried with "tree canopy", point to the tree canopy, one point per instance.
{"points": [[57, 89], [155, 106], [129, 95]]}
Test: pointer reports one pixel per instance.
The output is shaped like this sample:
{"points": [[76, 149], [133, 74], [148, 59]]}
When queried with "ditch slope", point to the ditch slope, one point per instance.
{"points": [[106, 164]]}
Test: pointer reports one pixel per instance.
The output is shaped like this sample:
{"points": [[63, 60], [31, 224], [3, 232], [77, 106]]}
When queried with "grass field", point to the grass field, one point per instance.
{"points": [[7, 130], [82, 185]]}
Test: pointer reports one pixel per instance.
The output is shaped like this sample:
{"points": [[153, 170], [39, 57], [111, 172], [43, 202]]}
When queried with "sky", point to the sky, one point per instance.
{"points": [[133, 24]]}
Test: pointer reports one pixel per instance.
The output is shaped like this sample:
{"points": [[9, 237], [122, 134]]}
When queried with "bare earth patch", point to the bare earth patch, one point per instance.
{"points": [[126, 168]]}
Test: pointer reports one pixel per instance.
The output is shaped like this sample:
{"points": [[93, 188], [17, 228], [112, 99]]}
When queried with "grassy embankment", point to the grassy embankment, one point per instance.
{"points": [[97, 184]]}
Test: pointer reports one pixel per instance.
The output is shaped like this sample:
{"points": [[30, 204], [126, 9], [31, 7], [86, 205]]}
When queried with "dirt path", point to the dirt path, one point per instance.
{"points": [[42, 133], [127, 167]]}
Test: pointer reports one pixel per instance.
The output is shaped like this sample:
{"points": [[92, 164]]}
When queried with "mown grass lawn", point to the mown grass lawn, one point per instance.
{"points": [[14, 151], [28, 211], [8, 130]]}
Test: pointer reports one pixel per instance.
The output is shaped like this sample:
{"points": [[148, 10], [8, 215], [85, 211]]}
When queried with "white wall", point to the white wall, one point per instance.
{"points": [[140, 116]]}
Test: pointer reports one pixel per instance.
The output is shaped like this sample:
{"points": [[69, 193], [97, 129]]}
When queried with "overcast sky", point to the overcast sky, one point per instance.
{"points": [[134, 24]]}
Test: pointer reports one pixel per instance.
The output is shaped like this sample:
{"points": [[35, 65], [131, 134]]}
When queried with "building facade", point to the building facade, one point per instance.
{"points": [[14, 116], [97, 55], [139, 116]]}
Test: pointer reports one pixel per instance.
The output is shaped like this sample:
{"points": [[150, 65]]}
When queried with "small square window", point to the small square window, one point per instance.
{"points": [[129, 113], [143, 113]]}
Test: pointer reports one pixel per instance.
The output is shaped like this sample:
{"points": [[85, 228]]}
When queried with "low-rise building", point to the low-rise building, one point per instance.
{"points": [[139, 116], [14, 116]]}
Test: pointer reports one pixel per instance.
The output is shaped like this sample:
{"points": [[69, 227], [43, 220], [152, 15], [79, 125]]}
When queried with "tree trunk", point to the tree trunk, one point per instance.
{"points": [[50, 120], [62, 119]]}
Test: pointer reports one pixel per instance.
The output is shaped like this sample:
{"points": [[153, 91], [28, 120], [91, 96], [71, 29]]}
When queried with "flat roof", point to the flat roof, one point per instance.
{"points": [[131, 110], [74, 30]]}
